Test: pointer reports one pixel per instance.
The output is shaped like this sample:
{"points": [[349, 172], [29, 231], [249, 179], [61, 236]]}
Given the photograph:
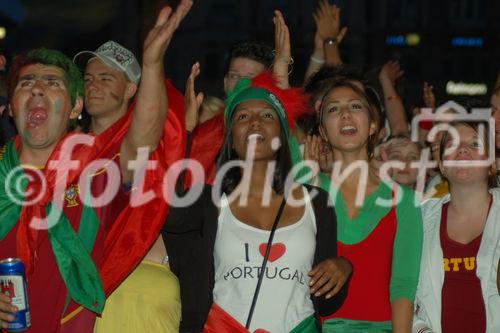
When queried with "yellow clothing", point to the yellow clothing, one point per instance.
{"points": [[147, 301], [438, 191], [442, 189]]}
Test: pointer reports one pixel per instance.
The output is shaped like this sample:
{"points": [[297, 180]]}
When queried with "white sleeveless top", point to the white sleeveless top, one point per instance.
{"points": [[284, 299]]}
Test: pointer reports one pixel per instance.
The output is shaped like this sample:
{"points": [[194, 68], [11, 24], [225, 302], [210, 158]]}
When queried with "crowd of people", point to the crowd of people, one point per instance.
{"points": [[323, 208]]}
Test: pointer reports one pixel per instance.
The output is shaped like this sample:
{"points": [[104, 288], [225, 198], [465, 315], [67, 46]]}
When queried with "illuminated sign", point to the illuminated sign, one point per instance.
{"points": [[467, 41], [411, 39], [395, 40], [463, 88]]}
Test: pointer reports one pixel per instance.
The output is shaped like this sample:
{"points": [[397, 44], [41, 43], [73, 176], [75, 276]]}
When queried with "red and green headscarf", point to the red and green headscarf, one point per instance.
{"points": [[289, 104]]}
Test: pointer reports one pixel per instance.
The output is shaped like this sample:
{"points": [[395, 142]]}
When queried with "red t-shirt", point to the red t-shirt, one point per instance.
{"points": [[46, 289], [462, 300]]}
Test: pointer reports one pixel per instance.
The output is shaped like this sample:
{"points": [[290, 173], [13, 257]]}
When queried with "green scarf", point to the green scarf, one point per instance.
{"points": [[71, 251], [9, 210]]}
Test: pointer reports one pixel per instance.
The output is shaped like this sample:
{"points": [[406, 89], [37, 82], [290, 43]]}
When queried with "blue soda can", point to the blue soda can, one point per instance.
{"points": [[13, 284]]}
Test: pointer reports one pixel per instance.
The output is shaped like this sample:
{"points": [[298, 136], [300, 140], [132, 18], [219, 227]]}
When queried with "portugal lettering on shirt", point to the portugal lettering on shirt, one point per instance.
{"points": [[463, 307], [284, 299], [459, 264], [250, 271]]}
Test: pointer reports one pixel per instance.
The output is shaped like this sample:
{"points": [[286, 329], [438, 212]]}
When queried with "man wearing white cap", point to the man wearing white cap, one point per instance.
{"points": [[111, 77], [111, 80]]}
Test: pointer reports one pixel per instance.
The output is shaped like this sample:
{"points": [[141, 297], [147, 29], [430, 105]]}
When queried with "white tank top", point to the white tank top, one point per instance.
{"points": [[284, 299]]}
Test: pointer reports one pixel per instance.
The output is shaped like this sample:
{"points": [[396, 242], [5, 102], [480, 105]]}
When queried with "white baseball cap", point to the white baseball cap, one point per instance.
{"points": [[114, 55]]}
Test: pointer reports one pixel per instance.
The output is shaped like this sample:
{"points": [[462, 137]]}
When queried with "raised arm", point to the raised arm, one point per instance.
{"points": [[192, 101], [334, 38], [394, 108], [327, 38], [283, 56], [192, 104], [151, 108], [317, 59], [428, 96]]}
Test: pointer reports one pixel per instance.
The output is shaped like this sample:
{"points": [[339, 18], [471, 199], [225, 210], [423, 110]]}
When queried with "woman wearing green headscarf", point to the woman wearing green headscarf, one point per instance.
{"points": [[217, 245]]}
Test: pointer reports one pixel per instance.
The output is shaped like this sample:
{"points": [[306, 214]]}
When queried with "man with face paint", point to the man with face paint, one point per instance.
{"points": [[69, 253], [45, 90], [111, 77]]}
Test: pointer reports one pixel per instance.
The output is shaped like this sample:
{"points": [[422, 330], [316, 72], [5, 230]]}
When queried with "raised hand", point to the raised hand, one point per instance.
{"points": [[146, 128], [391, 71], [312, 154], [379, 157], [428, 96], [283, 57], [327, 19], [160, 35], [326, 157], [192, 101]]}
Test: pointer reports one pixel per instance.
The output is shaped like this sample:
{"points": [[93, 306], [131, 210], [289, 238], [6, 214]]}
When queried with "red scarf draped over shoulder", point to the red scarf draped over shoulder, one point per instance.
{"points": [[136, 228]]}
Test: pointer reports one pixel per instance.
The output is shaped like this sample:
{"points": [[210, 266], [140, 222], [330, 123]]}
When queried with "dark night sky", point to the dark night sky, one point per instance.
{"points": [[212, 25]]}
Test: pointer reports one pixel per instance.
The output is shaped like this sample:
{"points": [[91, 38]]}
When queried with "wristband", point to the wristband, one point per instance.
{"points": [[317, 60]]}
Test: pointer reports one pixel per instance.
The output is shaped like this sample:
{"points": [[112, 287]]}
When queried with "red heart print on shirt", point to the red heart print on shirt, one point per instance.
{"points": [[277, 251]]}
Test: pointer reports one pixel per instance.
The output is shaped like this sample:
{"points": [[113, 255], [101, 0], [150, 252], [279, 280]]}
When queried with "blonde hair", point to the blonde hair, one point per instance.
{"points": [[210, 106]]}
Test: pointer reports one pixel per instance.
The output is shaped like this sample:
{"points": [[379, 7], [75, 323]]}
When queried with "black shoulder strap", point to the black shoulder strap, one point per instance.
{"points": [[264, 262]]}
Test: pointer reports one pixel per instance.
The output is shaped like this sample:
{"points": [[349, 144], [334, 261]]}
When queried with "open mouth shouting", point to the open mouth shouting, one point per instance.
{"points": [[348, 130], [257, 137], [36, 116]]}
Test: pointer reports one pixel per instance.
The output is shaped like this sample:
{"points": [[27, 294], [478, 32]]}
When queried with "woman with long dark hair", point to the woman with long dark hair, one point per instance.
{"points": [[260, 254], [379, 224]]}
